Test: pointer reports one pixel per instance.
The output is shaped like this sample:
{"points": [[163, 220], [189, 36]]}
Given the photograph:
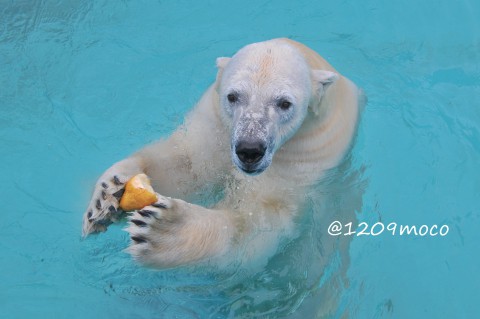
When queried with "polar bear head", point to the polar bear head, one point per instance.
{"points": [[265, 90]]}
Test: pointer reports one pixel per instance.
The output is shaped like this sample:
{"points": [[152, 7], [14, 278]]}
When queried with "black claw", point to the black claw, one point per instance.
{"points": [[138, 239], [139, 223], [98, 204], [119, 194], [159, 205], [104, 185], [146, 213], [116, 181], [149, 212], [103, 222], [112, 209], [104, 195], [89, 216]]}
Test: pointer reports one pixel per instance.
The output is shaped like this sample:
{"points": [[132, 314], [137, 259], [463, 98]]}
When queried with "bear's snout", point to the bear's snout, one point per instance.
{"points": [[250, 153]]}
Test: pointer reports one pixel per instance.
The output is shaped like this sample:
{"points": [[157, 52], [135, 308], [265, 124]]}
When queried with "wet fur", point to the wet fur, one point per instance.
{"points": [[256, 211]]}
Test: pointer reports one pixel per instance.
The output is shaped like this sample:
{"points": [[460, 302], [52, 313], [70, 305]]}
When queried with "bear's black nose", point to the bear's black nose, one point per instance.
{"points": [[250, 152]]}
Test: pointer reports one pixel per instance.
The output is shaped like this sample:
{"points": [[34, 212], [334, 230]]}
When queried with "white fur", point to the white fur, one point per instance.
{"points": [[302, 141]]}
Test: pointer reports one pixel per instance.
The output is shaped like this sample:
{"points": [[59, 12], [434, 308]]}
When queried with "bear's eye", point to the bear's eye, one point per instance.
{"points": [[284, 104], [232, 97]]}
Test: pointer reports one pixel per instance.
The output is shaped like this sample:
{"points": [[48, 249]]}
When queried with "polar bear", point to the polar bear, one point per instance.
{"points": [[275, 120]]}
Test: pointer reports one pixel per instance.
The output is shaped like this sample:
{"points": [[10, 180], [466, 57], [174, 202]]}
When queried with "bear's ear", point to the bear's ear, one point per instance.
{"points": [[222, 62], [324, 77], [321, 79]]}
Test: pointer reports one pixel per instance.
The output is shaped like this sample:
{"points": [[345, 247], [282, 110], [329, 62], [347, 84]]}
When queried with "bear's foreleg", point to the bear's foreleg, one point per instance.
{"points": [[173, 232]]}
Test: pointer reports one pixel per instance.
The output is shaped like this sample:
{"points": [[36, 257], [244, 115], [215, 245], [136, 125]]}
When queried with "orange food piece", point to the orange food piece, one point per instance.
{"points": [[138, 193]]}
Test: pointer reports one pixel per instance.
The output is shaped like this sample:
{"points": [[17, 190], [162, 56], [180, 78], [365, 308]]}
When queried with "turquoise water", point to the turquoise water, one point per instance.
{"points": [[83, 84]]}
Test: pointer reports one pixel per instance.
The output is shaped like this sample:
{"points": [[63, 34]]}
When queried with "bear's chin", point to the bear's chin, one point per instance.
{"points": [[253, 169], [251, 172]]}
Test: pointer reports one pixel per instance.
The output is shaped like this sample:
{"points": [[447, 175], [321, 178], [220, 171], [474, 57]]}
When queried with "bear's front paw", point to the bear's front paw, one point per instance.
{"points": [[160, 234], [104, 205]]}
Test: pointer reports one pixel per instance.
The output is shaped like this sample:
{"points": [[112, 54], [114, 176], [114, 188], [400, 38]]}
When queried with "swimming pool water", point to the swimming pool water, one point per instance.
{"points": [[84, 84]]}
